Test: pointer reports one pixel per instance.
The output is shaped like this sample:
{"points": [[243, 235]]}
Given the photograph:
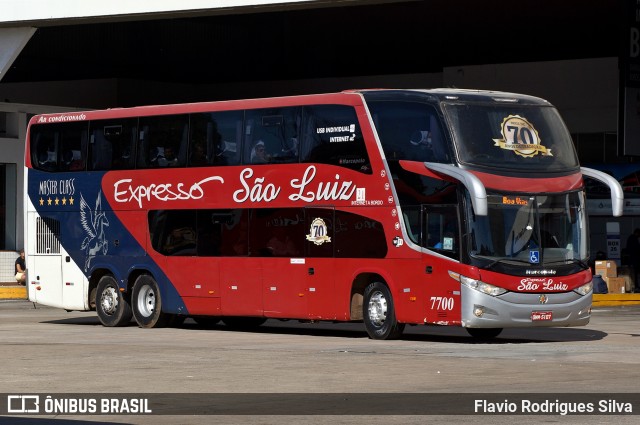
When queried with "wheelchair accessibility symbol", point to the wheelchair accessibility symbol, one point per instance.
{"points": [[534, 257]]}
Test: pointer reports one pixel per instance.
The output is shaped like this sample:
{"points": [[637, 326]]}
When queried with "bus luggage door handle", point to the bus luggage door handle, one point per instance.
{"points": [[311, 271], [428, 270]]}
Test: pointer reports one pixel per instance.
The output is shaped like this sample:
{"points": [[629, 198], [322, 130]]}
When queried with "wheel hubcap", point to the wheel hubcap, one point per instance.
{"points": [[109, 301], [147, 301], [377, 309]]}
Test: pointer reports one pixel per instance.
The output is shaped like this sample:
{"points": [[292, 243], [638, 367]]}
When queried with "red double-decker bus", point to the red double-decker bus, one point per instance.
{"points": [[390, 207]]}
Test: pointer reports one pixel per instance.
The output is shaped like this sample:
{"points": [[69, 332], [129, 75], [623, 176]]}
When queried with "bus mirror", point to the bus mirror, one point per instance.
{"points": [[476, 189], [617, 196]]}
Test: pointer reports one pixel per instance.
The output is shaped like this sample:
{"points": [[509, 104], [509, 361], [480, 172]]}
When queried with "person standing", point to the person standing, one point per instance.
{"points": [[21, 269], [633, 250]]}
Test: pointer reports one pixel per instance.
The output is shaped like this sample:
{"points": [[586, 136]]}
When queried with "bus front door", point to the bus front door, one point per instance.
{"points": [[442, 240]]}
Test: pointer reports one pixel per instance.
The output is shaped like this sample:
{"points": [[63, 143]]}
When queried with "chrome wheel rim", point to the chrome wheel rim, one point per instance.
{"points": [[109, 301], [377, 309], [147, 301]]}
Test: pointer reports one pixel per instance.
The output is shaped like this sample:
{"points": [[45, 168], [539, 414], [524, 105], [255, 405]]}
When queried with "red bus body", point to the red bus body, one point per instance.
{"points": [[338, 226]]}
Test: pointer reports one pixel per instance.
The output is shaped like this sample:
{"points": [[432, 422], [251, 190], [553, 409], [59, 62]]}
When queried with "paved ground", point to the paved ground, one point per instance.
{"points": [[50, 351]]}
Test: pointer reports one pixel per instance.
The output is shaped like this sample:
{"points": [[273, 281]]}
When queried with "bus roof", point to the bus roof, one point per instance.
{"points": [[349, 97], [452, 94]]}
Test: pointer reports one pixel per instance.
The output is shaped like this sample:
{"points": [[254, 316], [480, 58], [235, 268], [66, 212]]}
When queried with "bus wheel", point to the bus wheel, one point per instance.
{"points": [[112, 307], [484, 333], [243, 322], [379, 313], [147, 304]]}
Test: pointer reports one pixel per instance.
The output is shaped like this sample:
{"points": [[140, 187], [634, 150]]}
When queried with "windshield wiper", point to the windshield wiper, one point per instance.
{"points": [[569, 260], [505, 261], [491, 265]]}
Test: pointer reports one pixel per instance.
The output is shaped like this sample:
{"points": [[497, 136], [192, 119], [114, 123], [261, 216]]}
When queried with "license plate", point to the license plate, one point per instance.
{"points": [[538, 316]]}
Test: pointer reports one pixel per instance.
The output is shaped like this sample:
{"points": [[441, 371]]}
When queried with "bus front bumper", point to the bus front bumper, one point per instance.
{"points": [[521, 310]]}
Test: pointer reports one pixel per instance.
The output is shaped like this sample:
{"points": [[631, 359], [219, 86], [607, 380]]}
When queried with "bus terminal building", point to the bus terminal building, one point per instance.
{"points": [[70, 56]]}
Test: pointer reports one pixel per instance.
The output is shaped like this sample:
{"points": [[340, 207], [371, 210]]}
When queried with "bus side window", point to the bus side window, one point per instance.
{"points": [[164, 139], [172, 232], [215, 138], [234, 232], [59, 147], [112, 144], [410, 130], [44, 148], [332, 136], [441, 227], [357, 236], [277, 129], [72, 146], [278, 232], [101, 152]]}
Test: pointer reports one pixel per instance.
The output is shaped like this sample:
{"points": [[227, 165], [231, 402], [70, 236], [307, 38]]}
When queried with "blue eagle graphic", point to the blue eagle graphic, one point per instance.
{"points": [[93, 223]]}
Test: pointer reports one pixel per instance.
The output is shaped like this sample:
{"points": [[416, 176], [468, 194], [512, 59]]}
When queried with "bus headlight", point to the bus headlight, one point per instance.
{"points": [[481, 286], [584, 289]]}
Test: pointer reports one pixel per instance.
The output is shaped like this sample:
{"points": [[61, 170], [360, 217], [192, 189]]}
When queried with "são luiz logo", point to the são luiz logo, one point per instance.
{"points": [[520, 136]]}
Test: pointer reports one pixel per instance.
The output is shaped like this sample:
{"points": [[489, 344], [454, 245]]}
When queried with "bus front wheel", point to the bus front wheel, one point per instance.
{"points": [[147, 303], [379, 313], [111, 305]]}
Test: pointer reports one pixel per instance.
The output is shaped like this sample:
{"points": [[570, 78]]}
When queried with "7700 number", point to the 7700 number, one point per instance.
{"points": [[442, 303]]}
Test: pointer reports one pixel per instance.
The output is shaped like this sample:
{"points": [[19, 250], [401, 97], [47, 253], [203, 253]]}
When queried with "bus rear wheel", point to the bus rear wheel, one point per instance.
{"points": [[111, 305], [147, 303], [379, 313], [484, 333]]}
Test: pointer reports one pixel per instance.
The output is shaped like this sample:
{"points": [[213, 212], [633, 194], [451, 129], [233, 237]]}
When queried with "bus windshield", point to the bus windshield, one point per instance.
{"points": [[533, 230], [512, 137]]}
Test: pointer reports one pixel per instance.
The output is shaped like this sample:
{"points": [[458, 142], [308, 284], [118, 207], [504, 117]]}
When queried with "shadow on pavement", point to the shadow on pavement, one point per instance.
{"points": [[430, 333]]}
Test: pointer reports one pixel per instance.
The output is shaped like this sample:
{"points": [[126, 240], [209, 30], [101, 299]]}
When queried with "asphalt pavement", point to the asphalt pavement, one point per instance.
{"points": [[201, 375]]}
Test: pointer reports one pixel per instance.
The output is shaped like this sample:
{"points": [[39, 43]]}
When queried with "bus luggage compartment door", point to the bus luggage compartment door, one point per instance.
{"points": [[285, 289], [74, 284], [241, 287]]}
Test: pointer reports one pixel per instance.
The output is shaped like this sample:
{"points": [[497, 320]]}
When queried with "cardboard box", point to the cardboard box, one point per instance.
{"points": [[606, 268], [616, 285]]}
